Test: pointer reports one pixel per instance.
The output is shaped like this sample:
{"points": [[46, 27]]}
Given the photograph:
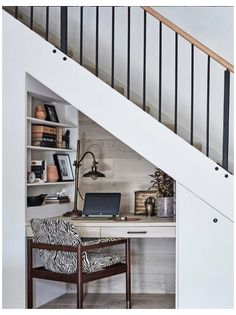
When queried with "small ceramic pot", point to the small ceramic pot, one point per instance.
{"points": [[52, 173], [40, 112], [165, 207]]}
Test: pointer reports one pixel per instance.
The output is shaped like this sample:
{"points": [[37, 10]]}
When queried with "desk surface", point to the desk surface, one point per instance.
{"points": [[145, 227], [132, 221]]}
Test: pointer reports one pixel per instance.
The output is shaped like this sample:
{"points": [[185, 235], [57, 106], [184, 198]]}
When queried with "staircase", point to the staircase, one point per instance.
{"points": [[171, 115], [201, 182]]}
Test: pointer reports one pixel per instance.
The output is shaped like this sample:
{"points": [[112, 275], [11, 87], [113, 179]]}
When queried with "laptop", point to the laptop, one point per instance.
{"points": [[101, 205]]}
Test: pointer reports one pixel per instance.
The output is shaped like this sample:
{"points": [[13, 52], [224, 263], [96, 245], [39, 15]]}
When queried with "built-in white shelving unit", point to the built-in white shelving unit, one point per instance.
{"points": [[49, 183], [31, 147], [68, 120], [50, 123]]}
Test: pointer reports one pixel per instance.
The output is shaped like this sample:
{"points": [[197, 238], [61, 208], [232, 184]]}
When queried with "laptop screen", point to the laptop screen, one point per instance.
{"points": [[101, 204]]}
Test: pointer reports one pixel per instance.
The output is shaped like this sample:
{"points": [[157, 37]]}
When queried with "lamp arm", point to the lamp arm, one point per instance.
{"points": [[88, 152]]}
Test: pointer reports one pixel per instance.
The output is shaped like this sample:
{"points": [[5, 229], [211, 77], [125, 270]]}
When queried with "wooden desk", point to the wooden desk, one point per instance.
{"points": [[143, 228]]}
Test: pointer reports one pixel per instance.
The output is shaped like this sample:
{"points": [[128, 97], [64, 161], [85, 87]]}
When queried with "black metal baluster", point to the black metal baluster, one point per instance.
{"points": [[144, 57], [64, 29], [226, 120], [160, 68], [128, 55], [81, 35], [47, 23], [176, 81], [208, 106], [16, 12], [97, 33], [112, 46], [31, 17], [192, 93]]}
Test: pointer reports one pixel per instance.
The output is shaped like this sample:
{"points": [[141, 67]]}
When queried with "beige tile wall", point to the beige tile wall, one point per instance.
{"points": [[153, 260]]}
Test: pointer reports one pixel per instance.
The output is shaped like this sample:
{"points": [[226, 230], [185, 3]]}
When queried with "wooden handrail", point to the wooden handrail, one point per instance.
{"points": [[189, 38]]}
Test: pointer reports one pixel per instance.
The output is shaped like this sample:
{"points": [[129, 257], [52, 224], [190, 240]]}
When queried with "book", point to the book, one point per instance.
{"points": [[44, 135], [44, 129], [44, 144], [59, 137], [56, 197], [57, 201]]}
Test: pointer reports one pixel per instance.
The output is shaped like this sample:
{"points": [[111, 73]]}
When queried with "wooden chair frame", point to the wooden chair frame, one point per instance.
{"points": [[80, 277]]}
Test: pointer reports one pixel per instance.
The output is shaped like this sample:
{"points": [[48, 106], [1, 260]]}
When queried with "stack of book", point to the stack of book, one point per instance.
{"points": [[39, 167], [44, 136], [57, 199]]}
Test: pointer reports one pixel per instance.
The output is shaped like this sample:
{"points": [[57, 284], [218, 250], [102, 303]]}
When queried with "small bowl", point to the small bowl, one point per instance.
{"points": [[34, 201]]}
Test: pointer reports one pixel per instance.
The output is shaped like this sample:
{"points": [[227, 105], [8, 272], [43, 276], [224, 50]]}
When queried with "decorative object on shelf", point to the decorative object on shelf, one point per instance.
{"points": [[61, 193], [150, 206], [44, 136], [66, 139], [51, 113], [94, 174], [64, 168], [31, 177], [140, 198], [40, 112], [165, 193], [34, 201], [52, 173], [39, 167]]}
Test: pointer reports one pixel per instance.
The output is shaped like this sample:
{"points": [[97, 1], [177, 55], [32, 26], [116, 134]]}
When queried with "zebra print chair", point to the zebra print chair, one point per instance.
{"points": [[66, 258]]}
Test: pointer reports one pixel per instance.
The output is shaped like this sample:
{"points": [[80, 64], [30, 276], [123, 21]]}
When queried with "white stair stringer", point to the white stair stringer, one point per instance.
{"points": [[119, 116]]}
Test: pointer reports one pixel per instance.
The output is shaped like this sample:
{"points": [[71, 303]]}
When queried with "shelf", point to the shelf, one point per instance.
{"points": [[50, 184], [49, 123], [66, 206], [32, 147]]}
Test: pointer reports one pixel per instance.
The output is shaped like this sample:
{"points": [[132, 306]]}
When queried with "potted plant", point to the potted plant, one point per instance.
{"points": [[164, 184]]}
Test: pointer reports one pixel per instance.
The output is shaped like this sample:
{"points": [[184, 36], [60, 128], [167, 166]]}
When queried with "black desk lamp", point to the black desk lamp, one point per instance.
{"points": [[94, 174]]}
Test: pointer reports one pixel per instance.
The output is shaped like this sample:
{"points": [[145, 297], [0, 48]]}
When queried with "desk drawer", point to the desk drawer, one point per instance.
{"points": [[137, 232], [88, 231]]}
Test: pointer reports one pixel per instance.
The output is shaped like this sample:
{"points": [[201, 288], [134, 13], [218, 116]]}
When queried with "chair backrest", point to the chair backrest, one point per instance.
{"points": [[57, 232], [52, 231]]}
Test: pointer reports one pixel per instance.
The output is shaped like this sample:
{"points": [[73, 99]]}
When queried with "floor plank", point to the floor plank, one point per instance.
{"points": [[113, 301]]}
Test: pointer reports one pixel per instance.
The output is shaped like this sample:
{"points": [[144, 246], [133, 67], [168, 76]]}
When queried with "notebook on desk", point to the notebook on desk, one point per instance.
{"points": [[101, 205]]}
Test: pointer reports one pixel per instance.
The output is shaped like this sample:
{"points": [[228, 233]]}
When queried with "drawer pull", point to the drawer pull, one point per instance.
{"points": [[136, 232]]}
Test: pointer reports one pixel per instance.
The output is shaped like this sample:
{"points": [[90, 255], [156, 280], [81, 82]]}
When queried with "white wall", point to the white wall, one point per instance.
{"points": [[205, 255]]}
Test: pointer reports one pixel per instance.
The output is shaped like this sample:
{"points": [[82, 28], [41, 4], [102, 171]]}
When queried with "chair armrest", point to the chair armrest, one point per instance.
{"points": [[63, 248], [102, 242]]}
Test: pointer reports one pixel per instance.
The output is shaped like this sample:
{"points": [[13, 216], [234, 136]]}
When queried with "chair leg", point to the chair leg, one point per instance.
{"points": [[79, 279], [29, 276], [128, 275], [79, 295]]}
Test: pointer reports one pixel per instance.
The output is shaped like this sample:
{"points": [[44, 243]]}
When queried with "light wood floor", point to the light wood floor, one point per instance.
{"points": [[115, 301]]}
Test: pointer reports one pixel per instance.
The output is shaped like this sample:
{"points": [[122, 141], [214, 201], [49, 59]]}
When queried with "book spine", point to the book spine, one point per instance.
{"points": [[37, 162], [46, 129], [43, 135], [59, 137]]}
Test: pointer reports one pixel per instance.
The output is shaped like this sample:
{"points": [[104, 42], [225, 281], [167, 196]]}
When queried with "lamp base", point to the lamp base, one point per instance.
{"points": [[73, 214]]}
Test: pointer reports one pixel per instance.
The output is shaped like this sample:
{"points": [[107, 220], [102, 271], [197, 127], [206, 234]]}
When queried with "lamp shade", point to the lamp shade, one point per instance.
{"points": [[94, 174]]}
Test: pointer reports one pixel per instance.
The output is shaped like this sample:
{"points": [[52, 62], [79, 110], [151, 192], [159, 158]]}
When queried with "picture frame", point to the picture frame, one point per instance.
{"points": [[64, 168], [51, 114]]}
